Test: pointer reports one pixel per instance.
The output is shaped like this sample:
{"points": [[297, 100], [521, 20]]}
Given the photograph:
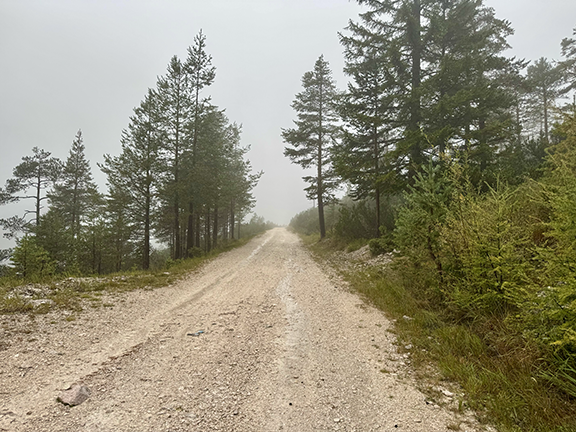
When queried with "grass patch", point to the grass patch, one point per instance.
{"points": [[501, 373], [10, 304]]}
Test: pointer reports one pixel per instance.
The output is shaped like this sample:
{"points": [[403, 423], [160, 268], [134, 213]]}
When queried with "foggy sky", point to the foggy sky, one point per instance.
{"points": [[85, 64]]}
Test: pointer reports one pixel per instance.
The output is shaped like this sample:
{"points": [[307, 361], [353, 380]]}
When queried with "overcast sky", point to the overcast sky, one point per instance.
{"points": [[85, 64]]}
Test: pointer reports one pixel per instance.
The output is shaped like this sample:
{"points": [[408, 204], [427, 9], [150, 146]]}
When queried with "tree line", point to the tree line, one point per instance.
{"points": [[427, 78], [181, 179]]}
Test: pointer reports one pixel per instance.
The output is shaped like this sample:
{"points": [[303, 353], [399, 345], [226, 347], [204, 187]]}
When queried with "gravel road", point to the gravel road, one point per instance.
{"points": [[283, 347]]}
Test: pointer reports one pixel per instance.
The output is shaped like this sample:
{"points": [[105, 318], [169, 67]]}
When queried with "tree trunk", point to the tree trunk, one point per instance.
{"points": [[320, 173], [376, 174], [146, 252], [197, 222], [321, 217], [177, 244], [207, 246], [190, 231], [215, 231], [546, 134], [232, 215], [378, 216], [38, 199], [93, 253], [414, 37], [320, 193]]}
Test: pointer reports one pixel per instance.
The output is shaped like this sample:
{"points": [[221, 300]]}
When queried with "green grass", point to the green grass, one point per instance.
{"points": [[354, 245], [502, 374], [74, 293]]}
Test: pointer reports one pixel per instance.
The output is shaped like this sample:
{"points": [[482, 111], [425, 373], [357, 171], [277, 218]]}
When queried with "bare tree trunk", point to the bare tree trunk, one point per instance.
{"points": [[207, 245], [146, 252], [38, 199], [546, 133], [414, 37], [232, 215], [215, 231], [320, 173], [197, 221], [190, 230]]}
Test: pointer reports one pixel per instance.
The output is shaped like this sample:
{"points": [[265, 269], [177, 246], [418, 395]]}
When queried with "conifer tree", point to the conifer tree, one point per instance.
{"points": [[398, 30], [73, 193], [468, 97], [544, 80], [310, 142], [124, 230], [134, 174], [569, 63], [201, 72], [367, 110], [445, 72], [31, 180], [175, 106]]}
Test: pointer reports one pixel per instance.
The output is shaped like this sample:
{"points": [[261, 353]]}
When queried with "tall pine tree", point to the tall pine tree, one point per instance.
{"points": [[199, 67], [367, 109], [310, 142], [175, 107], [135, 172]]}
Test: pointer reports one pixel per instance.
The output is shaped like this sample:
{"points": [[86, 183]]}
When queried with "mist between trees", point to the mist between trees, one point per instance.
{"points": [[181, 179], [463, 162]]}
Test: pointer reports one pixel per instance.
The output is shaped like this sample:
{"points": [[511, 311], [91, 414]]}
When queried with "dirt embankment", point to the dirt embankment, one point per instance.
{"points": [[260, 339]]}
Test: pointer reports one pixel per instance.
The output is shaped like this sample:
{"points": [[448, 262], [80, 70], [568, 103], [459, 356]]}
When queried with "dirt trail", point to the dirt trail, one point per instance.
{"points": [[283, 348]]}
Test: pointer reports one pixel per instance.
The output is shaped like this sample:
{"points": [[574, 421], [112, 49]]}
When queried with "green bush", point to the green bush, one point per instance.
{"points": [[356, 220], [307, 222], [30, 260], [382, 245]]}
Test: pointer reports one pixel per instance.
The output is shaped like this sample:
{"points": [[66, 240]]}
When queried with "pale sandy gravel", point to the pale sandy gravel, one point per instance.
{"points": [[284, 348]]}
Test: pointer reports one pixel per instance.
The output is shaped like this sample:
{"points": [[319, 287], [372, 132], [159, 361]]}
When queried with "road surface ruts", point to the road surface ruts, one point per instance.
{"points": [[282, 348]]}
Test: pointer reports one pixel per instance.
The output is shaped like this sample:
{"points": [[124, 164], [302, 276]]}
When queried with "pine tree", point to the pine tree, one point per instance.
{"points": [[310, 142], [446, 74], [54, 236], [123, 232], [175, 107], [32, 179], [367, 109], [30, 259], [132, 176], [569, 63], [94, 242], [206, 167], [468, 95], [199, 67], [545, 81], [397, 29], [73, 193]]}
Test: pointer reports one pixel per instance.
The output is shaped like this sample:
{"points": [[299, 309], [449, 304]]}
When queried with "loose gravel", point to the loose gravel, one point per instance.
{"points": [[259, 339]]}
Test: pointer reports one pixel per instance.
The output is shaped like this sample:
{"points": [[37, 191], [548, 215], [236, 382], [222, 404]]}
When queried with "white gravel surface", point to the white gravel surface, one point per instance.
{"points": [[283, 348]]}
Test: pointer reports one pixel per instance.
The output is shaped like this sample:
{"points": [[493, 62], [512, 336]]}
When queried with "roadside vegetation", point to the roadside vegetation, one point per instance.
{"points": [[460, 164], [480, 283], [43, 294]]}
